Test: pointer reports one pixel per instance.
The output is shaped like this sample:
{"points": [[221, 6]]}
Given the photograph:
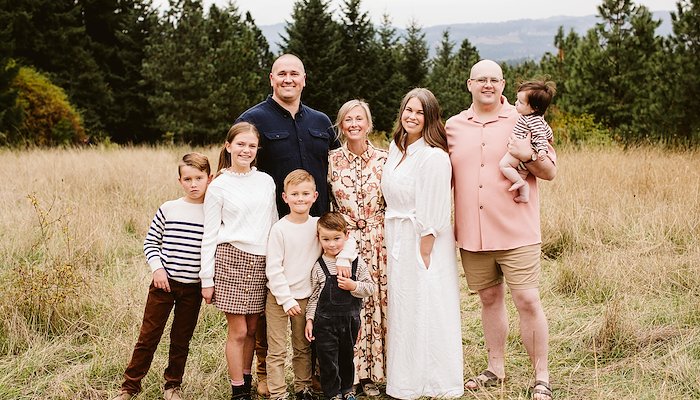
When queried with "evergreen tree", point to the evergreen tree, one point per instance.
{"points": [[414, 56], [50, 35], [444, 78], [682, 75], [614, 66], [205, 71], [118, 30], [393, 87], [264, 55], [515, 75], [557, 66], [314, 37], [360, 51], [466, 57], [10, 112]]}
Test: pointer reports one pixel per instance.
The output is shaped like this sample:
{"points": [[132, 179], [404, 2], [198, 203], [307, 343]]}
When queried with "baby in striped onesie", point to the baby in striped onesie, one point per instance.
{"points": [[533, 99]]}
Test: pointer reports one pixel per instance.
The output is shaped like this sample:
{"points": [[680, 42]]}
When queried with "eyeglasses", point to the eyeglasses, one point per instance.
{"points": [[482, 80]]}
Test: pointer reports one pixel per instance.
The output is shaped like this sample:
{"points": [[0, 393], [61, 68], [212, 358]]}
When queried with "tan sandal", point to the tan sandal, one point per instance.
{"points": [[546, 391], [485, 379], [370, 389]]}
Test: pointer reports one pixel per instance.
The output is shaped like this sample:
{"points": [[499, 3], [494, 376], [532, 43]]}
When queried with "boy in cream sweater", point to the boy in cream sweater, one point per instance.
{"points": [[292, 251]]}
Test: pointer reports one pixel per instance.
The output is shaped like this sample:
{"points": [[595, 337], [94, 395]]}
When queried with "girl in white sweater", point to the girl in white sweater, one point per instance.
{"points": [[239, 210]]}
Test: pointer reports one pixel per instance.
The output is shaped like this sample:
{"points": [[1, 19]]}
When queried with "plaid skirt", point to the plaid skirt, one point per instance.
{"points": [[239, 281]]}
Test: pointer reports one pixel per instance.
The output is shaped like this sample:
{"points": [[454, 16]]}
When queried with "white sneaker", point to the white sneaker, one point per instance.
{"points": [[173, 394]]}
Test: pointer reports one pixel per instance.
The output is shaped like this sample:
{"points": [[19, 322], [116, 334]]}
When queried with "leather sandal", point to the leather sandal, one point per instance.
{"points": [[485, 379], [543, 390]]}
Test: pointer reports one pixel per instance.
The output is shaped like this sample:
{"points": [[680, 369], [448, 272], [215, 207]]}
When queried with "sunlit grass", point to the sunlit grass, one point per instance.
{"points": [[621, 281]]}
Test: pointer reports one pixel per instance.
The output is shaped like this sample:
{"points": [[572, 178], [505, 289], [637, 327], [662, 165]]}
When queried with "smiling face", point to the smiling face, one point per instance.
{"points": [[300, 197], [413, 119], [287, 79], [332, 241], [243, 148], [355, 125], [486, 83]]}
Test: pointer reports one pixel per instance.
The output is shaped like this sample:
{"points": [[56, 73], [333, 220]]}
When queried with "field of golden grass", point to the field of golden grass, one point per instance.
{"points": [[621, 286]]}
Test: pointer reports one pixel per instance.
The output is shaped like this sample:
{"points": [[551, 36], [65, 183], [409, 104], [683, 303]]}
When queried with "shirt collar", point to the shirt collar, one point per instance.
{"points": [[506, 110], [366, 156], [415, 146], [281, 109]]}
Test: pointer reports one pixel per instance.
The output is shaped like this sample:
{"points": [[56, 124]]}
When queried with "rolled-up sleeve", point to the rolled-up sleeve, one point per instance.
{"points": [[433, 193]]}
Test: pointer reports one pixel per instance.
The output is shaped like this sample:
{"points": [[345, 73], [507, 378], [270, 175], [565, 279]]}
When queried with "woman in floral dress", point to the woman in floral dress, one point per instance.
{"points": [[354, 175]]}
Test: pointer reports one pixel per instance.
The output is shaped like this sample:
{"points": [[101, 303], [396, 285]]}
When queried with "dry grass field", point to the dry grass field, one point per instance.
{"points": [[621, 283]]}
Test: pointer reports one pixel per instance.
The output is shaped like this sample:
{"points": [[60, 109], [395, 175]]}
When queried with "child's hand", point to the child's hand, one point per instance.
{"points": [[294, 311], [160, 279], [343, 271], [520, 148], [208, 294], [346, 283], [309, 330]]}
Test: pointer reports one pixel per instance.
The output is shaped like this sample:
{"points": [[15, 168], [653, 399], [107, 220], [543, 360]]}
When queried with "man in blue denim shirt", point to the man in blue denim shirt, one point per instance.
{"points": [[292, 135]]}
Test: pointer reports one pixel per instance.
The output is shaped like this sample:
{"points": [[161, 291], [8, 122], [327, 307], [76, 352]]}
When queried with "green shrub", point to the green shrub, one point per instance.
{"points": [[577, 130], [49, 118]]}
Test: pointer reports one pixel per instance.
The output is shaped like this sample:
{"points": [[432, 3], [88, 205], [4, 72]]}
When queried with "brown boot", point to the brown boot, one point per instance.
{"points": [[316, 383], [263, 391]]}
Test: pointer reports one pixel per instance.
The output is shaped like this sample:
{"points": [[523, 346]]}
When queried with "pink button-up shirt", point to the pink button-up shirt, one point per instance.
{"points": [[486, 217]]}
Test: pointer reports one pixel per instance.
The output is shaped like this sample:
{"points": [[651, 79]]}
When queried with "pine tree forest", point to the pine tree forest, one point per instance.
{"points": [[124, 72]]}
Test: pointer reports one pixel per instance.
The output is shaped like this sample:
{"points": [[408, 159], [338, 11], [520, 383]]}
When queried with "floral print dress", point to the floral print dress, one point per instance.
{"points": [[356, 194]]}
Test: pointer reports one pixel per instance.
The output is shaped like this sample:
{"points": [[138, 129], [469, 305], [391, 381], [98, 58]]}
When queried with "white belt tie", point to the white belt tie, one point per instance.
{"points": [[393, 216]]}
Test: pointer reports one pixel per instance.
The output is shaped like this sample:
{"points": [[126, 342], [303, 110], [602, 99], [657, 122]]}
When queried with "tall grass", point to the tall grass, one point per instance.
{"points": [[621, 282]]}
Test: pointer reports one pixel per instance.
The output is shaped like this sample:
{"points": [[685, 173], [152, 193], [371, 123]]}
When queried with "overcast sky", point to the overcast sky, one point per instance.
{"points": [[438, 12]]}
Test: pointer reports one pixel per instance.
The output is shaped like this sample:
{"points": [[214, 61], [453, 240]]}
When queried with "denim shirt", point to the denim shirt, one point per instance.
{"points": [[288, 143]]}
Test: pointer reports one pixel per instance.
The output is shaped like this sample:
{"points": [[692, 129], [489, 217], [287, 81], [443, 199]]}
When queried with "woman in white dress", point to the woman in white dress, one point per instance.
{"points": [[424, 339]]}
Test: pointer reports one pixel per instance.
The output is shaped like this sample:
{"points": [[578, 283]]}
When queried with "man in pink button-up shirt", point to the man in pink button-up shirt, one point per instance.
{"points": [[499, 239]]}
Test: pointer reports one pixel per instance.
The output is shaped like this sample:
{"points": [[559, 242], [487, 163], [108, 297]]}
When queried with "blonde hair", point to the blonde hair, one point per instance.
{"points": [[346, 108], [194, 160], [298, 176], [236, 129], [434, 132]]}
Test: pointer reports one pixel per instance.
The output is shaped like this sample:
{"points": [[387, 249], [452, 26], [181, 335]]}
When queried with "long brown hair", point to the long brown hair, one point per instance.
{"points": [[433, 129], [236, 129]]}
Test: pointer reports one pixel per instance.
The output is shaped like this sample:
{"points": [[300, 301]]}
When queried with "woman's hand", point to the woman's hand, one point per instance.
{"points": [[426, 247]]}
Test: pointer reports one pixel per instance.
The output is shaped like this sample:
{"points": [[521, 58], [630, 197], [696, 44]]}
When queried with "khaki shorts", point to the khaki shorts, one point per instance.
{"points": [[520, 267]]}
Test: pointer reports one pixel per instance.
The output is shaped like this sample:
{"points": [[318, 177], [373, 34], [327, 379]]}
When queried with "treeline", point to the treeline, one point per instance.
{"points": [[96, 70]]}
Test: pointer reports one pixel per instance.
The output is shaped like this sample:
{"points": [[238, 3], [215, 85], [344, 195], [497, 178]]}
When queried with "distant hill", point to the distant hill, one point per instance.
{"points": [[501, 41]]}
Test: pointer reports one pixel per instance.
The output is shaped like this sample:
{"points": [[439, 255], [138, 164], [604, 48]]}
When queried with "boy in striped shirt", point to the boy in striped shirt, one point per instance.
{"points": [[533, 99], [173, 251]]}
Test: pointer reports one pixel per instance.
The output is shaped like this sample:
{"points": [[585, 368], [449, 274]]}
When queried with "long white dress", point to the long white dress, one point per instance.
{"points": [[424, 338]]}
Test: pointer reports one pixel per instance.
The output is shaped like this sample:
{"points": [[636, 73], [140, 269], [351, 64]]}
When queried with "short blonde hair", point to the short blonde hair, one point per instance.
{"points": [[347, 107], [298, 176], [194, 160]]}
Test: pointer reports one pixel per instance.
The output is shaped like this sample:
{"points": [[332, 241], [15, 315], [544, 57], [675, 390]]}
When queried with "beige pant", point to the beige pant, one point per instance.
{"points": [[277, 333]]}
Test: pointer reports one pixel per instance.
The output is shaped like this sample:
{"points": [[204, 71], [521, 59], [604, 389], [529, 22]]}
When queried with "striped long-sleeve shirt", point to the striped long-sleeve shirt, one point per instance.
{"points": [[174, 240], [538, 128]]}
